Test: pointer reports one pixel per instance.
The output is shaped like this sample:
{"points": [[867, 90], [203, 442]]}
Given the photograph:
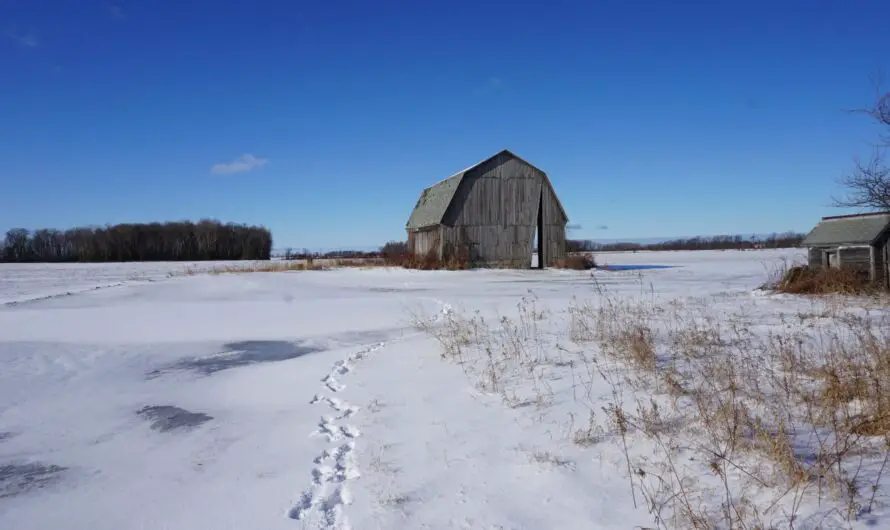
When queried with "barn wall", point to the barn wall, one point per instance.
{"points": [[494, 215], [554, 227], [422, 242], [491, 245]]}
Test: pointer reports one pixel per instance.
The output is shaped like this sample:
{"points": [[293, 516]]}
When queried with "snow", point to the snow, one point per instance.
{"points": [[132, 396]]}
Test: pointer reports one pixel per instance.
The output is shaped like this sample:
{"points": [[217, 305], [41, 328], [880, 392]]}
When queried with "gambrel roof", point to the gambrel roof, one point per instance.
{"points": [[434, 200]]}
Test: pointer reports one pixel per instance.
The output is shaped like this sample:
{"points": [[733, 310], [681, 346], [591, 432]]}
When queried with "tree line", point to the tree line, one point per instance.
{"points": [[170, 241], [390, 248], [721, 242]]}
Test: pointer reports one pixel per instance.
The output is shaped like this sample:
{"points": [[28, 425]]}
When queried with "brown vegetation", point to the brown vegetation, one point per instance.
{"points": [[580, 262], [749, 418], [804, 280], [430, 261], [260, 266]]}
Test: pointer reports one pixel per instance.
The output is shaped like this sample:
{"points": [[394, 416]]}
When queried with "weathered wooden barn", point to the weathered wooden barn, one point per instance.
{"points": [[852, 242], [491, 213]]}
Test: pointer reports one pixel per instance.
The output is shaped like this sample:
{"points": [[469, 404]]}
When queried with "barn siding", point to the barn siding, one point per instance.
{"points": [[497, 194], [494, 215], [422, 242], [491, 245], [554, 227]]}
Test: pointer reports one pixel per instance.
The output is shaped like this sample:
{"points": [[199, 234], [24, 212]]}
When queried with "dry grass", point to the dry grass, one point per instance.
{"points": [[580, 262], [813, 402], [456, 261], [803, 280], [750, 421], [259, 266]]}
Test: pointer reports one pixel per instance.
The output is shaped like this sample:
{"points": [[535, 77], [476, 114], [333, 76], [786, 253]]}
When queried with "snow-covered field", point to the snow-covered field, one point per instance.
{"points": [[131, 397]]}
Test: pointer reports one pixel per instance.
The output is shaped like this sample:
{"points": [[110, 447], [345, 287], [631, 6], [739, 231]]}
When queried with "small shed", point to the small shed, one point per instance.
{"points": [[856, 242], [491, 212]]}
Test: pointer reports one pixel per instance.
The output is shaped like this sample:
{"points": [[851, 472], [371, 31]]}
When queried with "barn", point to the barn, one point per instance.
{"points": [[494, 213], [856, 242]]}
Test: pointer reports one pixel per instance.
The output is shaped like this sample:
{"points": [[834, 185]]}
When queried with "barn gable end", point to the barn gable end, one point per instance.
{"points": [[491, 210]]}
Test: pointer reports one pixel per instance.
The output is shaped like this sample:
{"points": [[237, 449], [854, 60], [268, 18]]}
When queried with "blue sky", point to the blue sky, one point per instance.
{"points": [[324, 120]]}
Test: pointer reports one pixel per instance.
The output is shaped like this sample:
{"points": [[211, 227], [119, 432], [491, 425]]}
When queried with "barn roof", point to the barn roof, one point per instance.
{"points": [[848, 229], [434, 200]]}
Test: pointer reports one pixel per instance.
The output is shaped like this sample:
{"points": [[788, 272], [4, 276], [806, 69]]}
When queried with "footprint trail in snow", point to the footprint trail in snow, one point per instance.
{"points": [[324, 500]]}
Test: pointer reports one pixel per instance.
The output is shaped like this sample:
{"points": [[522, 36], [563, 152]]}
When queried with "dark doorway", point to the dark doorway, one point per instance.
{"points": [[540, 232]]}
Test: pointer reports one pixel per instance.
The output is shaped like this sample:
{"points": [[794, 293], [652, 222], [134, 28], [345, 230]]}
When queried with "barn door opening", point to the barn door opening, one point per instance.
{"points": [[539, 234]]}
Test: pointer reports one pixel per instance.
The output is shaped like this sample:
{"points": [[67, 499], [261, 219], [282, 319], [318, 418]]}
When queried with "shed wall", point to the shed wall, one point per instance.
{"points": [[855, 258], [814, 257], [882, 258]]}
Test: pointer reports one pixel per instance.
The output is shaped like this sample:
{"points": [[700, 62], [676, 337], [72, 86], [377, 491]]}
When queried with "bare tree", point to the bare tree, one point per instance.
{"points": [[868, 185]]}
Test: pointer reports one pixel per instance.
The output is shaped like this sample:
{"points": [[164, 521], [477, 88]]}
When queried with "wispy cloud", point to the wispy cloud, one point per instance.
{"points": [[245, 162], [573, 227], [602, 227], [25, 40]]}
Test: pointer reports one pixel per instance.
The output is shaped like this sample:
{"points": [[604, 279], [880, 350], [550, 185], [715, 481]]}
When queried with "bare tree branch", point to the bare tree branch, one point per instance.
{"points": [[868, 185]]}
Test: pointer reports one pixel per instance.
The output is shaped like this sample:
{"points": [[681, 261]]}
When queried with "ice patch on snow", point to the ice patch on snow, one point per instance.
{"points": [[245, 353], [18, 479], [165, 418]]}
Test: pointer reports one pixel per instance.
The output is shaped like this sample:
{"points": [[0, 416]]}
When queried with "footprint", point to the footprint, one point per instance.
{"points": [[333, 385], [345, 409], [349, 431], [332, 508], [342, 367], [327, 428], [307, 502], [328, 494]]}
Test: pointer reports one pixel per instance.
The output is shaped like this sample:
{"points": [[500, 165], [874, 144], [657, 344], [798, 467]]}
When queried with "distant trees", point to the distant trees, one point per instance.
{"points": [[724, 242], [393, 248], [868, 185], [171, 241]]}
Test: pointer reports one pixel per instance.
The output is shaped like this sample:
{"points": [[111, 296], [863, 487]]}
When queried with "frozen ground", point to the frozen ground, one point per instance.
{"points": [[315, 399]]}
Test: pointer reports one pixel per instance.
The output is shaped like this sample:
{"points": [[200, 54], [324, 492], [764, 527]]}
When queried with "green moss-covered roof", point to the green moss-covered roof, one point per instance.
{"points": [[433, 202]]}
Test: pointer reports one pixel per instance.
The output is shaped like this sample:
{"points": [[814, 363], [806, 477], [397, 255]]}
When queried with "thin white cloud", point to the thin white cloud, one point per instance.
{"points": [[245, 162], [26, 40]]}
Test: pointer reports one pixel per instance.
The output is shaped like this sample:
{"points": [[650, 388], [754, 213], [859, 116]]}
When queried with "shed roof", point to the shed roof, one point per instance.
{"points": [[848, 229], [434, 200]]}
